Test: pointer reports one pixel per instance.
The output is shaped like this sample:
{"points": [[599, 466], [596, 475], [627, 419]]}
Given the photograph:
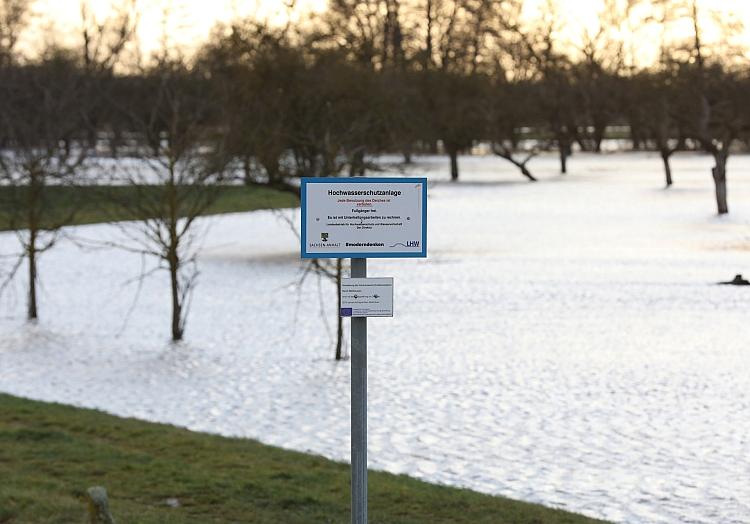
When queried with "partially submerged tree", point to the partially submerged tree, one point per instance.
{"points": [[43, 109], [332, 270], [256, 72], [49, 109], [538, 49], [182, 161], [655, 101], [510, 107], [598, 72], [455, 111], [713, 109], [711, 93]]}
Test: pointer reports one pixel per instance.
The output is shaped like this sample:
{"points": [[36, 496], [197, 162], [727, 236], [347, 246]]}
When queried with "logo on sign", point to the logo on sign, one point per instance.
{"points": [[412, 243], [324, 237]]}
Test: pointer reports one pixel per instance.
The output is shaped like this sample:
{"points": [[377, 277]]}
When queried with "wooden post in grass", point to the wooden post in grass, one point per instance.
{"points": [[98, 506]]}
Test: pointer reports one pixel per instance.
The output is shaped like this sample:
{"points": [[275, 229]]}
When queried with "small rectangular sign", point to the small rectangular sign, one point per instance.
{"points": [[366, 297], [364, 217]]}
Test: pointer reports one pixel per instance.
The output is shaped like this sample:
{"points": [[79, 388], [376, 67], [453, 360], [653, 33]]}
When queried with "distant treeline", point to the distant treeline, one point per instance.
{"points": [[393, 76], [269, 104]]}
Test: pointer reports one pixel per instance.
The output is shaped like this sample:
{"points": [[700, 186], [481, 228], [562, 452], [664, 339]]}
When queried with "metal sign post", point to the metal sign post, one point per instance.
{"points": [[359, 406], [360, 218]]}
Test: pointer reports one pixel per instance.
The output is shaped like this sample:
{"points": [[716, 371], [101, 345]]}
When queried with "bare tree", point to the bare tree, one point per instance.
{"points": [[104, 47], [332, 270], [42, 120], [13, 17], [358, 28], [538, 50], [104, 40], [258, 71], [711, 92], [48, 127], [598, 71], [324, 269], [652, 99], [510, 106], [649, 96], [714, 106], [180, 165]]}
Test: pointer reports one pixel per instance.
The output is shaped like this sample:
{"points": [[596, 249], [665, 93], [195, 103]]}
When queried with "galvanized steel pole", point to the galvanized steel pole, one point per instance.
{"points": [[359, 406]]}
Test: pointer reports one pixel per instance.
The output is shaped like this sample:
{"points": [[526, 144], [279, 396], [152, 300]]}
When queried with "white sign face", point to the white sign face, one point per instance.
{"points": [[366, 297], [364, 217]]}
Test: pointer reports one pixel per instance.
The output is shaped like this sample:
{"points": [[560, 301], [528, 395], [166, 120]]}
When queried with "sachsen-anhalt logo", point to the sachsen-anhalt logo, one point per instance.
{"points": [[324, 237]]}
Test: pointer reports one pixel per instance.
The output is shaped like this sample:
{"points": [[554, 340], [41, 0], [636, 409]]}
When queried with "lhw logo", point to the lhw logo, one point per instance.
{"points": [[412, 243]]}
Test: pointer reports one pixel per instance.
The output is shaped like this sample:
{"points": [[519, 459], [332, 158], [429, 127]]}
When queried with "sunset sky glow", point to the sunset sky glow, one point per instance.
{"points": [[190, 21]]}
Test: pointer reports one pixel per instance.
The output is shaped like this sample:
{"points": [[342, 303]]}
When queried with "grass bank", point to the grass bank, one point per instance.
{"points": [[50, 454], [94, 204]]}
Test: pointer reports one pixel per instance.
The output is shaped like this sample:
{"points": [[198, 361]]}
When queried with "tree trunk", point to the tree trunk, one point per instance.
{"points": [[507, 154], [357, 164], [453, 153], [719, 173], [32, 309], [667, 168], [33, 203], [526, 173], [564, 152], [173, 255], [174, 266], [635, 138], [340, 327], [114, 143], [247, 169], [599, 132], [271, 164]]}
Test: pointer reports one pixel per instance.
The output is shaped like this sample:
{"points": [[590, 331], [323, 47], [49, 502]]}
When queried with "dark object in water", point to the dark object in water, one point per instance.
{"points": [[738, 281]]}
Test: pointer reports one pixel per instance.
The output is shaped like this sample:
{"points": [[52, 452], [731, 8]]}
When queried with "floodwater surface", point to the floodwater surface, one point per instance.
{"points": [[564, 343]]}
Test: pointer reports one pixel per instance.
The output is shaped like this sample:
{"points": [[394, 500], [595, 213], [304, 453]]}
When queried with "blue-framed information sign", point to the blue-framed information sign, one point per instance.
{"points": [[364, 217]]}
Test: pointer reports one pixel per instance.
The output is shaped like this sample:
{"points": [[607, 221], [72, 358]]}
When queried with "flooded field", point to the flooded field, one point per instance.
{"points": [[564, 343]]}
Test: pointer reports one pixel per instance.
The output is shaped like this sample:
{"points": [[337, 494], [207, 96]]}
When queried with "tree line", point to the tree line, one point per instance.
{"points": [[265, 105]]}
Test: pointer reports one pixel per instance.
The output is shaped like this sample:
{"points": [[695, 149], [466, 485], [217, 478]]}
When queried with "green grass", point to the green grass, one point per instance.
{"points": [[50, 454], [90, 205]]}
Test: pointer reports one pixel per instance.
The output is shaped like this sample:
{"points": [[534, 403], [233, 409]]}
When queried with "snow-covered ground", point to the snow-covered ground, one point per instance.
{"points": [[563, 343]]}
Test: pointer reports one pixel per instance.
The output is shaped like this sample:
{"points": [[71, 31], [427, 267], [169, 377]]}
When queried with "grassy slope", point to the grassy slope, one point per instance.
{"points": [[92, 206], [49, 455]]}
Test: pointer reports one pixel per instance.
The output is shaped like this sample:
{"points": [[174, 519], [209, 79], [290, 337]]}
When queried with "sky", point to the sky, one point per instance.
{"points": [[190, 21]]}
